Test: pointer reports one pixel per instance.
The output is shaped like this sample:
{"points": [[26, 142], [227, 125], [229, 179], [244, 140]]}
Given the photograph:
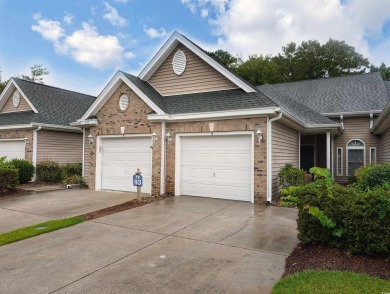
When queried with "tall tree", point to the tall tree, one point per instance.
{"points": [[37, 73], [259, 70], [383, 69], [225, 58]]}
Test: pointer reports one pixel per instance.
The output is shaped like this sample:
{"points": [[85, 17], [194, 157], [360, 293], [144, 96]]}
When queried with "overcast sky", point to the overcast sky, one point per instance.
{"points": [[83, 43]]}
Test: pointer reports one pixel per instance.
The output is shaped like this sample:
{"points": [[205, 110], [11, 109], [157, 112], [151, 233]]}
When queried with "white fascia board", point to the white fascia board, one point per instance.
{"points": [[7, 92], [110, 89], [378, 127], [163, 53], [213, 115], [352, 114], [56, 127], [13, 127]]}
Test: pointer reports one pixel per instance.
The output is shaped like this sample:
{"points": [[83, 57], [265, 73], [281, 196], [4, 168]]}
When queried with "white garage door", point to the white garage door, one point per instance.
{"points": [[13, 149], [217, 167], [120, 159]]}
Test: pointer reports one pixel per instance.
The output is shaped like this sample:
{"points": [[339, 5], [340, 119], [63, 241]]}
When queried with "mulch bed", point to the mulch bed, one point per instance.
{"points": [[305, 257], [121, 207], [16, 191]]}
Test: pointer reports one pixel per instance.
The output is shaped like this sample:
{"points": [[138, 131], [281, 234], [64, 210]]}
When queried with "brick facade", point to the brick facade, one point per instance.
{"points": [[134, 118], [20, 134]]}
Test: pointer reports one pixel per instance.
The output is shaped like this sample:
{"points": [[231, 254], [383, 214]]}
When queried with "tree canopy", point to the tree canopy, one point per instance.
{"points": [[383, 69]]}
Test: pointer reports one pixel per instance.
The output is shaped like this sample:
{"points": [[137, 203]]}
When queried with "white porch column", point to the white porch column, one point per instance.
{"points": [[328, 153]]}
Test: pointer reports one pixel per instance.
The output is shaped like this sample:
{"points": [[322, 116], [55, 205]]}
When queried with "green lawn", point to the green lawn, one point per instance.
{"points": [[329, 282], [38, 229]]}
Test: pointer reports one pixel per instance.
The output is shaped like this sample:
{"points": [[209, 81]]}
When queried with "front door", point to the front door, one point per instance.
{"points": [[307, 157]]}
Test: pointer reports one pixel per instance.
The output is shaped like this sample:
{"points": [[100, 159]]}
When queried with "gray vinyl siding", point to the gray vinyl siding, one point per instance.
{"points": [[285, 149], [63, 147], [198, 76], [385, 147], [9, 105], [355, 128]]}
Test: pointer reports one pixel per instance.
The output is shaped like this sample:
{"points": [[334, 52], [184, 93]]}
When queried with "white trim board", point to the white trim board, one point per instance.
{"points": [[178, 156], [168, 47], [7, 92]]}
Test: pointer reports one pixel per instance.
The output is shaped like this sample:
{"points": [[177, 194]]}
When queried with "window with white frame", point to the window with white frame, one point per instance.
{"points": [[339, 161], [355, 155], [373, 155]]}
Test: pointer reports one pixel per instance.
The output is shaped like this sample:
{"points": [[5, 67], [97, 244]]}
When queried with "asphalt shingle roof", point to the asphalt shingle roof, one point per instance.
{"points": [[387, 85], [365, 92], [300, 111], [54, 105], [203, 102]]}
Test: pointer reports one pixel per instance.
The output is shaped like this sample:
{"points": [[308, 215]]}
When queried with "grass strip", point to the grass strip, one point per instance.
{"points": [[329, 282], [38, 229]]}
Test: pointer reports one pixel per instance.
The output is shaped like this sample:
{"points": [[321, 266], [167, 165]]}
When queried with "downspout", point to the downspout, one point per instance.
{"points": [[162, 168], [82, 173], [34, 156], [269, 157]]}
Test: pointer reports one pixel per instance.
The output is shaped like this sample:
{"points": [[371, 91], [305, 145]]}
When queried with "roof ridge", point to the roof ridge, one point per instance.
{"points": [[53, 87]]}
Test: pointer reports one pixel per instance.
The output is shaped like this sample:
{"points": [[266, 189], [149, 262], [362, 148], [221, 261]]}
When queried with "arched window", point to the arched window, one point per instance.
{"points": [[355, 155]]}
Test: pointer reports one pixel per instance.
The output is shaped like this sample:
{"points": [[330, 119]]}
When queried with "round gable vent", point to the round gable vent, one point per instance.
{"points": [[123, 102], [179, 62], [16, 98]]}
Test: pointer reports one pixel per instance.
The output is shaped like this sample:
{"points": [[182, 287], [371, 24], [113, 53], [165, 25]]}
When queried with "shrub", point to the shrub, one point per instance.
{"points": [[71, 169], [291, 176], [4, 163], [74, 179], [371, 176], [8, 179], [48, 171], [345, 217], [25, 169]]}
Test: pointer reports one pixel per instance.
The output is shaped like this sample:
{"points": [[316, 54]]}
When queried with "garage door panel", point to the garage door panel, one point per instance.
{"points": [[13, 149], [217, 166], [120, 159]]}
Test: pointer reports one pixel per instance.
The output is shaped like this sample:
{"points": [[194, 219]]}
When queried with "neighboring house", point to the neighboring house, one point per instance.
{"points": [[34, 122], [195, 128]]}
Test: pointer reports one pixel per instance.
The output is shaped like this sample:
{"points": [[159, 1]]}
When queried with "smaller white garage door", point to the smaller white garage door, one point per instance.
{"points": [[120, 158], [13, 149], [217, 166]]}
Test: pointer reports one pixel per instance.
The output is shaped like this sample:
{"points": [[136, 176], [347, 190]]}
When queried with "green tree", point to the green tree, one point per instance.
{"points": [[260, 70], [383, 69], [37, 73], [225, 58]]}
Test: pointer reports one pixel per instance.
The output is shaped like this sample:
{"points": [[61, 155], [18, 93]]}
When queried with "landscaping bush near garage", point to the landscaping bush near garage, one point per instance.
{"points": [[48, 171], [291, 176], [343, 217], [9, 176], [71, 169], [25, 169], [74, 180]]}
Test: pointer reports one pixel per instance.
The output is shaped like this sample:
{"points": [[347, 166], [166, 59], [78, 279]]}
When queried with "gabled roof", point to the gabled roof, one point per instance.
{"points": [[382, 123], [53, 105], [303, 113], [349, 94], [172, 42]]}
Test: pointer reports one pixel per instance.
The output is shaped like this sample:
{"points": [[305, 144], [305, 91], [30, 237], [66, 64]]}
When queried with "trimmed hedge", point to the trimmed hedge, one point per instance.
{"points": [[25, 168], [8, 179], [291, 176], [74, 179], [344, 217], [71, 169], [371, 176], [48, 171]]}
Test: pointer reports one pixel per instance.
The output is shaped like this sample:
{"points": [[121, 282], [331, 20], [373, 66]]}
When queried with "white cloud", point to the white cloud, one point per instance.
{"points": [[121, 1], [264, 26], [85, 45], [113, 16], [204, 12], [155, 33], [68, 18]]}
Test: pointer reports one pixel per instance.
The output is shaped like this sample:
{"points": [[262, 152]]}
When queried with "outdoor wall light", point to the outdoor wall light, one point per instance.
{"points": [[90, 139], [26, 140], [259, 135], [123, 131], [168, 137], [154, 138]]}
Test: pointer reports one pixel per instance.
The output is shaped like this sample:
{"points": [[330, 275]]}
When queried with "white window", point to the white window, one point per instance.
{"points": [[339, 161], [355, 155], [373, 155], [123, 102]]}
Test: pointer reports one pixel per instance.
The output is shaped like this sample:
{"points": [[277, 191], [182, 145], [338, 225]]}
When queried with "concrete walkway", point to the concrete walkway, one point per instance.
{"points": [[17, 211], [179, 245]]}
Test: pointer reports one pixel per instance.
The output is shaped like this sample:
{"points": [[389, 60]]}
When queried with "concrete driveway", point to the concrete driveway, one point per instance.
{"points": [[179, 245], [18, 211]]}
